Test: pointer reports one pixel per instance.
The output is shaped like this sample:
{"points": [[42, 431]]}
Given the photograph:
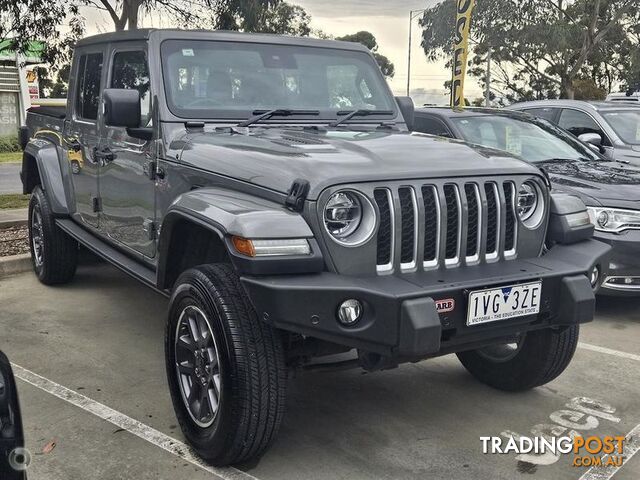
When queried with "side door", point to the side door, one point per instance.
{"points": [[127, 193], [81, 133]]}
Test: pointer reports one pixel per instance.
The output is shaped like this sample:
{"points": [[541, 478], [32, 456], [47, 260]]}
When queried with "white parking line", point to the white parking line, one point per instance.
{"points": [[608, 351], [145, 432], [631, 446]]}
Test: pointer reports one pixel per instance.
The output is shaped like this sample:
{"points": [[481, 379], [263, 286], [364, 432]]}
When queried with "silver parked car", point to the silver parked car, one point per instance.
{"points": [[614, 127]]}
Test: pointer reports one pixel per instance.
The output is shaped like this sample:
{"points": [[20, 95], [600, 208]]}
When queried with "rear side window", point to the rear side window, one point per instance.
{"points": [[130, 70], [89, 75], [432, 126], [546, 113]]}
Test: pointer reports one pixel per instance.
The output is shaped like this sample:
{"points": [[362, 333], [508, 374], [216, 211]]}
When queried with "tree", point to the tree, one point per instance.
{"points": [[27, 21], [586, 89], [369, 40], [538, 47], [287, 19], [125, 14], [60, 88], [261, 16]]}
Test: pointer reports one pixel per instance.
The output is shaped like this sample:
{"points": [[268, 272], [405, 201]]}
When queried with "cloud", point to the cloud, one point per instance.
{"points": [[357, 8]]}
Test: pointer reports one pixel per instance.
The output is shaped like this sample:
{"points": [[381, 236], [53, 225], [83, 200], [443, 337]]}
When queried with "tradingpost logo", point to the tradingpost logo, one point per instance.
{"points": [[587, 451]]}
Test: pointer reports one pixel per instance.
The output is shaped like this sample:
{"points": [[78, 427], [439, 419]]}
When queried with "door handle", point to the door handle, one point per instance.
{"points": [[104, 155]]}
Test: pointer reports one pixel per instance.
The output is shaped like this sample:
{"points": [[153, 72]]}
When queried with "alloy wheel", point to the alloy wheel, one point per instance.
{"points": [[198, 366], [37, 235]]}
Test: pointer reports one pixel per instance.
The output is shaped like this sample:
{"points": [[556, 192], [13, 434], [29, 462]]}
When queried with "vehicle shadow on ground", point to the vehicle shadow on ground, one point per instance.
{"points": [[621, 307]]}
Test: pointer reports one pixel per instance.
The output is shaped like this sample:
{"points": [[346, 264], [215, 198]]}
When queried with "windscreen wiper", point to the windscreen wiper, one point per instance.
{"points": [[349, 114], [259, 115]]}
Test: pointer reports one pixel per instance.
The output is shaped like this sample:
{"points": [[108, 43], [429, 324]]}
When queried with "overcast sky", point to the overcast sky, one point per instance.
{"points": [[388, 20]]}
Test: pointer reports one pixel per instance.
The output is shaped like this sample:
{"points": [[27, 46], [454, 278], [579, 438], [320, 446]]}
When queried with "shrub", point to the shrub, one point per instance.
{"points": [[9, 144]]}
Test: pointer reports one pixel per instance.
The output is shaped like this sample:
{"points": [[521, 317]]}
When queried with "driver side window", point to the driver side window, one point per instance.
{"points": [[578, 123], [130, 71]]}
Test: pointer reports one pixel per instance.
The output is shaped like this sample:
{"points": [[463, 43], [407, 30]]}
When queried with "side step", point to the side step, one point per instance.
{"points": [[110, 254]]}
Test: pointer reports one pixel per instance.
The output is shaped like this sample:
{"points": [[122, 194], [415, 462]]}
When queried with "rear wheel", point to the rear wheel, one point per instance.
{"points": [[531, 360], [53, 253], [225, 367]]}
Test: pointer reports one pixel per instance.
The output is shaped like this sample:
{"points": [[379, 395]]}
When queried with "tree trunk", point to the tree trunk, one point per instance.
{"points": [[567, 90], [132, 13]]}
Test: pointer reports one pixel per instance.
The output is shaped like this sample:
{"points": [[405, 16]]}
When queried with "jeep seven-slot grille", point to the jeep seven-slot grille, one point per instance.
{"points": [[510, 231], [464, 223], [407, 213]]}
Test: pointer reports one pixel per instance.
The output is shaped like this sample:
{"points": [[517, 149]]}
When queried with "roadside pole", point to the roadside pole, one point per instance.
{"points": [[412, 15], [24, 98], [487, 80]]}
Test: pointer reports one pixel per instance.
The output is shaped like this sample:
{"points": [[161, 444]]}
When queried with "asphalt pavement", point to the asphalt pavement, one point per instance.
{"points": [[90, 368], [10, 178]]}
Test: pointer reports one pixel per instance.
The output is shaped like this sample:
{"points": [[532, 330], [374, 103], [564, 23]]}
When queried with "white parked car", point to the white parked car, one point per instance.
{"points": [[623, 97]]}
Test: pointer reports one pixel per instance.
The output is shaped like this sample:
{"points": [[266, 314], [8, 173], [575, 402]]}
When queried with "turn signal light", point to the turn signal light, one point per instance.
{"points": [[244, 246], [271, 248]]}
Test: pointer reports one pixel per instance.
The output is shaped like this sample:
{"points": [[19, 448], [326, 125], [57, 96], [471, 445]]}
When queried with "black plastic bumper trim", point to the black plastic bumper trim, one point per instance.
{"points": [[399, 316]]}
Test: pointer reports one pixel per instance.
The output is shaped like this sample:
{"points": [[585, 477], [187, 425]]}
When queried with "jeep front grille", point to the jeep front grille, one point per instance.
{"points": [[427, 226]]}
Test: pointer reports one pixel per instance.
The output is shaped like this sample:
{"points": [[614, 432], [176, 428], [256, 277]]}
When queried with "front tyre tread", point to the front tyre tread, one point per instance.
{"points": [[254, 373]]}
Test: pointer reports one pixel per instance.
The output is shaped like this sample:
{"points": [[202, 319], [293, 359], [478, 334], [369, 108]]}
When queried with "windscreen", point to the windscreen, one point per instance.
{"points": [[626, 124], [532, 140], [212, 79]]}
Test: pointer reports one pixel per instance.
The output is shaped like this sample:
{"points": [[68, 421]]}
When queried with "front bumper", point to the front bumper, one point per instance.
{"points": [[624, 263], [400, 318]]}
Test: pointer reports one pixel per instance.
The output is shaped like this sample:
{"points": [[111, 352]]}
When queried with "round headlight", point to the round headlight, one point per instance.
{"points": [[342, 214], [349, 218], [527, 201]]}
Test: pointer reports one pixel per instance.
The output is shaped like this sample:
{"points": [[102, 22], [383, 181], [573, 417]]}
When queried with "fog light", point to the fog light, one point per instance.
{"points": [[349, 311], [594, 276]]}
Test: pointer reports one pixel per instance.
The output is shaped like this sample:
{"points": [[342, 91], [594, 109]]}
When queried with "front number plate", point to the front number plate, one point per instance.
{"points": [[503, 303]]}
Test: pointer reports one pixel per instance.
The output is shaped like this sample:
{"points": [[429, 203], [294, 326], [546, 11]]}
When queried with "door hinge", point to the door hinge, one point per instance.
{"points": [[153, 170], [151, 228], [297, 194], [96, 204]]}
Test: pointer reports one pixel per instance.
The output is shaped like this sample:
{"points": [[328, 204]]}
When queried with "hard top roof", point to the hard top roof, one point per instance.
{"points": [[220, 35]]}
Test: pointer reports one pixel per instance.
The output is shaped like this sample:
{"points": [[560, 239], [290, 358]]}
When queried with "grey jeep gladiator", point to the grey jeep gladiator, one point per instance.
{"points": [[270, 187]]}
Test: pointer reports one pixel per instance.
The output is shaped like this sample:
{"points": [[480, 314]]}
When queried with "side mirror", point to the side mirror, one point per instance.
{"points": [[407, 109], [591, 139], [121, 107]]}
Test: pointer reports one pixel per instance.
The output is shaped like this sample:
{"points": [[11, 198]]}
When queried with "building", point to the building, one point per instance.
{"points": [[18, 85]]}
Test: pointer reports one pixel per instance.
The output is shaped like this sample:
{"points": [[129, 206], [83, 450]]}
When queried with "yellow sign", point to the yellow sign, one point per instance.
{"points": [[461, 50]]}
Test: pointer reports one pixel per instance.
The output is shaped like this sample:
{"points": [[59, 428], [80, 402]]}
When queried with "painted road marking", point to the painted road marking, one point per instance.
{"points": [[139, 429], [608, 351], [631, 446]]}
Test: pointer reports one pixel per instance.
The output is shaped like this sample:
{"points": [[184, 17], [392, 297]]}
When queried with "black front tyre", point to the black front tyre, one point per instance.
{"points": [[53, 253], [535, 359], [225, 367]]}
